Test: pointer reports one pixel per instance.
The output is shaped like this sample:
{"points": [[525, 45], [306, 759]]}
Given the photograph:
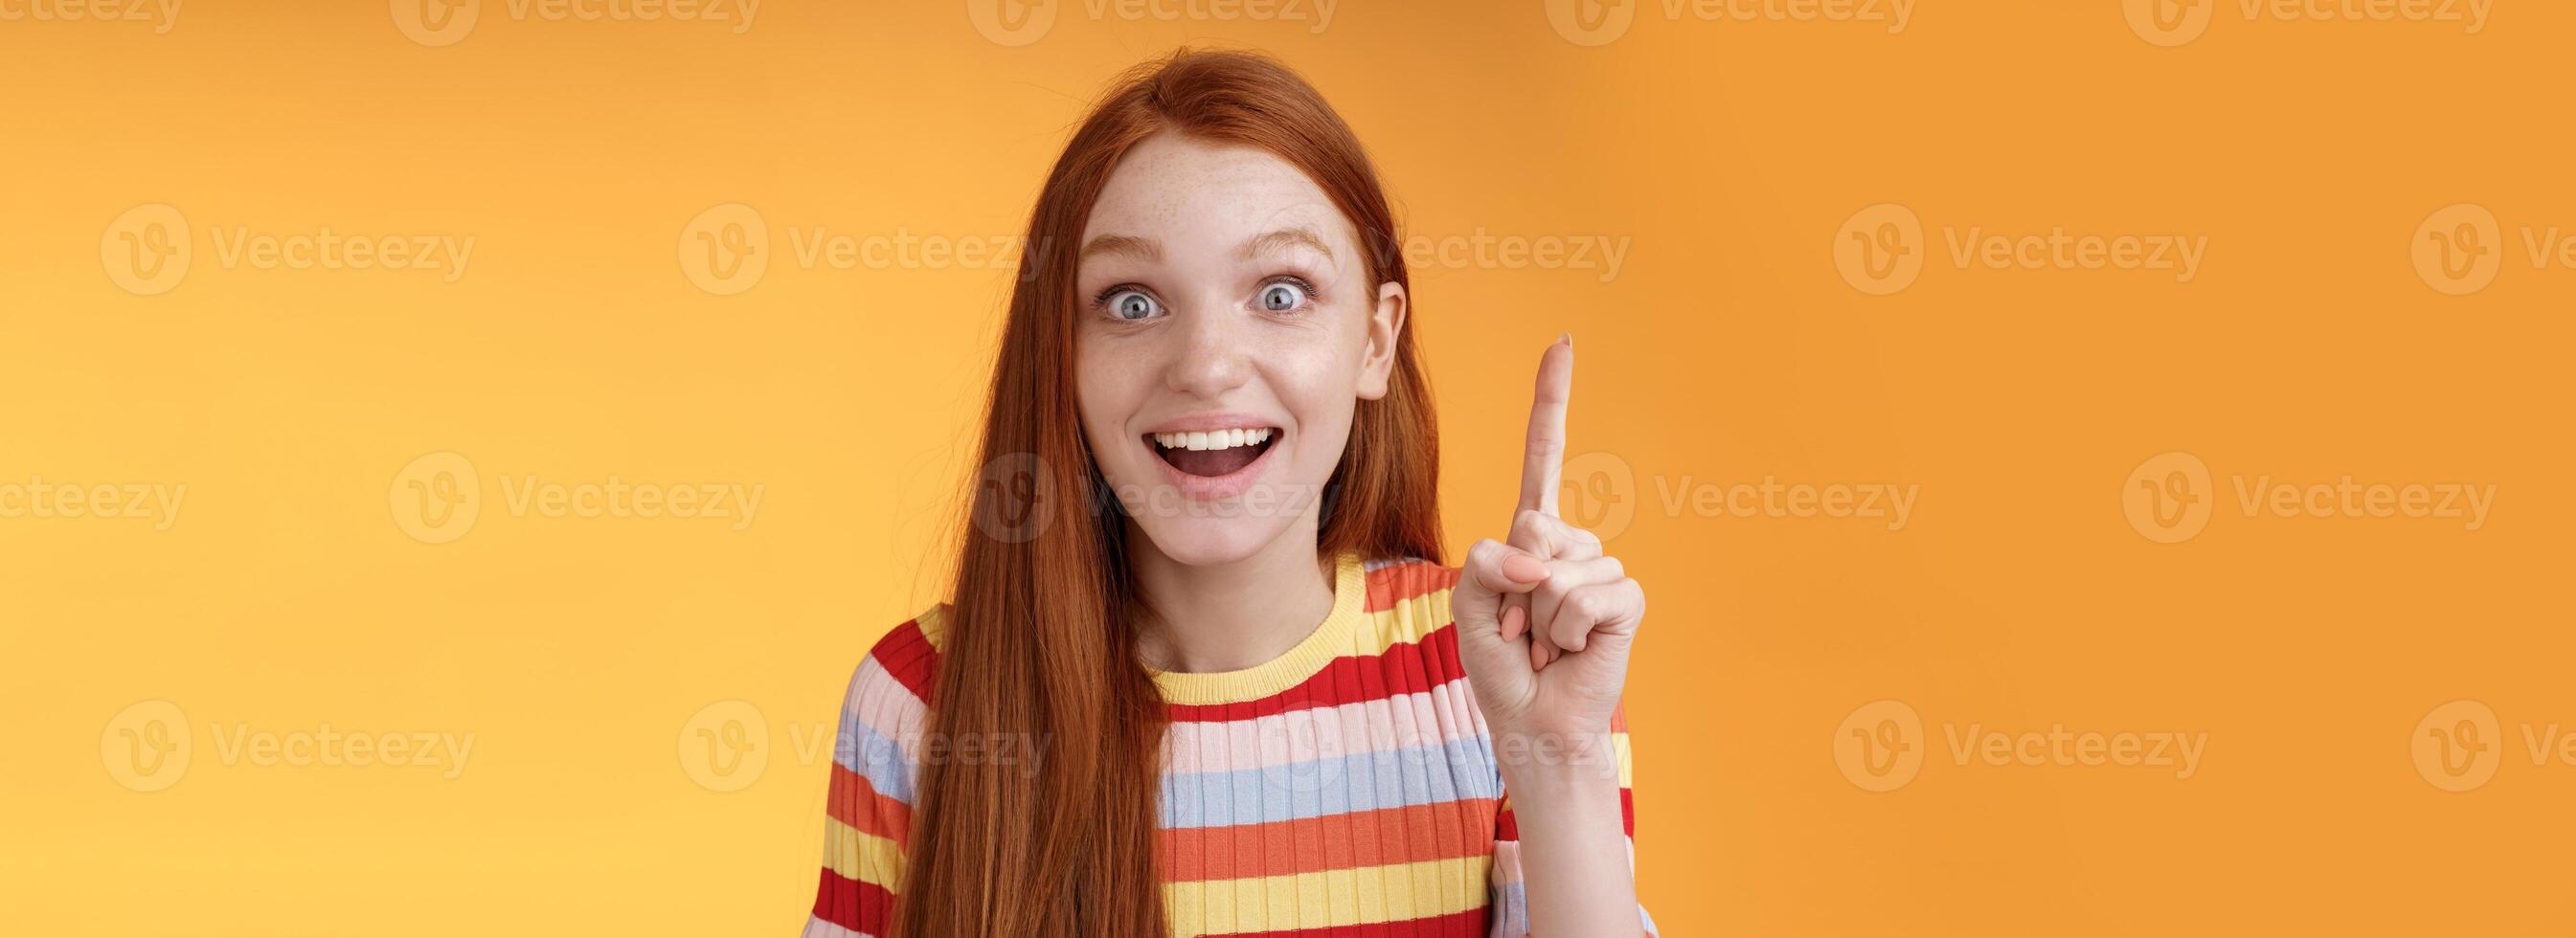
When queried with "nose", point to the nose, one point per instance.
{"points": [[1211, 357]]}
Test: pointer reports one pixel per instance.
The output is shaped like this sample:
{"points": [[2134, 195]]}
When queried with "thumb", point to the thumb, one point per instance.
{"points": [[1493, 570]]}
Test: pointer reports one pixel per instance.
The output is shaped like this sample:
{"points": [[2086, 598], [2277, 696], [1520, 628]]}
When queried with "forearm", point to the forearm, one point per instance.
{"points": [[1573, 846]]}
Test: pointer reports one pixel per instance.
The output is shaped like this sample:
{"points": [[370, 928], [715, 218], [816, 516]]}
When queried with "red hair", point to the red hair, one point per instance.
{"points": [[1038, 646]]}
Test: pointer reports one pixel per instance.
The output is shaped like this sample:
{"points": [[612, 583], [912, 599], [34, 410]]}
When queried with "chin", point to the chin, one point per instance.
{"points": [[1212, 541]]}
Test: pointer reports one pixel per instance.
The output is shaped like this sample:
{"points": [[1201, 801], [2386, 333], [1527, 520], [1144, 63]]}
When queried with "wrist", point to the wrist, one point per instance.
{"points": [[1544, 763]]}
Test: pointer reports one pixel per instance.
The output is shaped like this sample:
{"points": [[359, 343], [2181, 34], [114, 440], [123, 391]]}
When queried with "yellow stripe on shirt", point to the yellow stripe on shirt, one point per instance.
{"points": [[1364, 896], [855, 854]]}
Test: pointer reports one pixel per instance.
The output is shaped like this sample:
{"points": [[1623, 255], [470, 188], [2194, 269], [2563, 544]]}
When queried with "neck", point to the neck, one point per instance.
{"points": [[1228, 617]]}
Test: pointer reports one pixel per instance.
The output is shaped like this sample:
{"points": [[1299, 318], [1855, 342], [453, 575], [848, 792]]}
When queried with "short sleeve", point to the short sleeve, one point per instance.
{"points": [[1510, 918], [867, 818]]}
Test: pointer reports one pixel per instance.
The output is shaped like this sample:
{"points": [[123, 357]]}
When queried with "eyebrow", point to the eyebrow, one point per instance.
{"points": [[1286, 237], [1152, 250], [1146, 248]]}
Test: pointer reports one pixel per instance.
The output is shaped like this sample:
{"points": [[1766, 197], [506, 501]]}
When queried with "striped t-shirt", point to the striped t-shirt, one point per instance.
{"points": [[1346, 788]]}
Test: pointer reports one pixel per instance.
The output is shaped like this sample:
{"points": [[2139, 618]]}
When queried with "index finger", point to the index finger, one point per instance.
{"points": [[1544, 462]]}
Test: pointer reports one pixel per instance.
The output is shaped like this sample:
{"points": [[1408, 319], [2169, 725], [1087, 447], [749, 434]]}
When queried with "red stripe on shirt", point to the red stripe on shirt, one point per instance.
{"points": [[857, 906], [1404, 668]]}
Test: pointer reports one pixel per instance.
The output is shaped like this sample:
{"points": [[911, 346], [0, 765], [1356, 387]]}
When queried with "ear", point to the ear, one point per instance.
{"points": [[1385, 322]]}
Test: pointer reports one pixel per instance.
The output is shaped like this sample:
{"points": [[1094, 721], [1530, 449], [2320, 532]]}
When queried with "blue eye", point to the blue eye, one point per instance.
{"points": [[1132, 305], [1282, 296]]}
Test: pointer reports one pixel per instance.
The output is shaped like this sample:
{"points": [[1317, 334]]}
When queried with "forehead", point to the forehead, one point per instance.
{"points": [[1184, 191]]}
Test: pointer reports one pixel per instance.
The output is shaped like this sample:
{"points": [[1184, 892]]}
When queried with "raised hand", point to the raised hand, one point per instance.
{"points": [[1545, 619]]}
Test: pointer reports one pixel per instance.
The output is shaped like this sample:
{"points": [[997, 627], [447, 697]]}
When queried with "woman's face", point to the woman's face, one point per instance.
{"points": [[1228, 330]]}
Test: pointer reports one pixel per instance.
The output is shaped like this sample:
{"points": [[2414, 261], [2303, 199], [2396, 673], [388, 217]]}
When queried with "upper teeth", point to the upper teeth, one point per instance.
{"points": [[1213, 439]]}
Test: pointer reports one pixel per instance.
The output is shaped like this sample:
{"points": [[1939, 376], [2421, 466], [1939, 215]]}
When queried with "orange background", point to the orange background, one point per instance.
{"points": [[289, 590]]}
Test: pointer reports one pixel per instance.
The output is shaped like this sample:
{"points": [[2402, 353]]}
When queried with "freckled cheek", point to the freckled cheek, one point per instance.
{"points": [[1105, 391], [1314, 384]]}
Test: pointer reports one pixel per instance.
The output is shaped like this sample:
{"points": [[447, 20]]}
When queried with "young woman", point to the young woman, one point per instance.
{"points": [[1202, 672]]}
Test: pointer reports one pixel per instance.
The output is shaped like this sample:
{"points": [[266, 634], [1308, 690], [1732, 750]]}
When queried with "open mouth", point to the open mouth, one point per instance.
{"points": [[1212, 453]]}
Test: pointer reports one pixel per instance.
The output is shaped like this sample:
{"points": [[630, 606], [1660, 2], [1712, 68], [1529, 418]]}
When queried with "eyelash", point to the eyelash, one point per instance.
{"points": [[1100, 300]]}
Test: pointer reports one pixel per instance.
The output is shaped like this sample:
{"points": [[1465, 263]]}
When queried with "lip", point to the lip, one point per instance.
{"points": [[1213, 488]]}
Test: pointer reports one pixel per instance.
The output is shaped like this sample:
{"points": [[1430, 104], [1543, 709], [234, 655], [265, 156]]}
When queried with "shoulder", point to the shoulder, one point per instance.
{"points": [[903, 666], [886, 707]]}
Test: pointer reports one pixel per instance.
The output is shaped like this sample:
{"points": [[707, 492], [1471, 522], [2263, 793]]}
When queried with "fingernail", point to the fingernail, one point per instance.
{"points": [[1524, 568], [1512, 619], [1565, 339]]}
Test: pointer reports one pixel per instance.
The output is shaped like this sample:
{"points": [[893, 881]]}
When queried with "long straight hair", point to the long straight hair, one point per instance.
{"points": [[1038, 644]]}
